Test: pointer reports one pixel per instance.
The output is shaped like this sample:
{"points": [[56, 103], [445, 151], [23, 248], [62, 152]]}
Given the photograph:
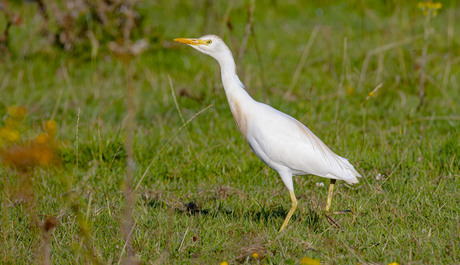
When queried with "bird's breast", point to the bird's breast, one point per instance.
{"points": [[240, 117]]}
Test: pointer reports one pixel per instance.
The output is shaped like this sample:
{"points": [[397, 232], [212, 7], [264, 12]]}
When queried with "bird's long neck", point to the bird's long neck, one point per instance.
{"points": [[233, 87], [239, 100]]}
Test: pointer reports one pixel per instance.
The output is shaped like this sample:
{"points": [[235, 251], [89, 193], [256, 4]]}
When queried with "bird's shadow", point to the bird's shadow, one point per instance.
{"points": [[276, 216], [265, 215]]}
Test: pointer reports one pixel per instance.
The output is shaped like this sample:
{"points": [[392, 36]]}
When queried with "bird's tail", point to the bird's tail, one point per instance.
{"points": [[351, 175]]}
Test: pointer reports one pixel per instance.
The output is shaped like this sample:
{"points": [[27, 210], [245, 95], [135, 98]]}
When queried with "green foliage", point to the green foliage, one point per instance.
{"points": [[206, 198]]}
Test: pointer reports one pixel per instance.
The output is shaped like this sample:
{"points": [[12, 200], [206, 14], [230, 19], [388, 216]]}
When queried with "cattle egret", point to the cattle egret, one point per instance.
{"points": [[279, 140]]}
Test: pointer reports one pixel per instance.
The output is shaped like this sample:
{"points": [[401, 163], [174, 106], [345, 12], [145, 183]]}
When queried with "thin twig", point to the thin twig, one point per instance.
{"points": [[125, 246], [372, 93], [183, 239]]}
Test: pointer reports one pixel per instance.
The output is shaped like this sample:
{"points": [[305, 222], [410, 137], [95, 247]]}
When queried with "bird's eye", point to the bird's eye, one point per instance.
{"points": [[209, 42]]}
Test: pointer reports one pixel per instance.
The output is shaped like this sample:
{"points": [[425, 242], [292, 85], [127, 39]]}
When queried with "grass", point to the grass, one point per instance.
{"points": [[206, 197]]}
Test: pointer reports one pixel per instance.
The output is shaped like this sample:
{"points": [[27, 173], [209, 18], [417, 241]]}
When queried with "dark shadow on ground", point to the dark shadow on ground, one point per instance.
{"points": [[267, 216]]}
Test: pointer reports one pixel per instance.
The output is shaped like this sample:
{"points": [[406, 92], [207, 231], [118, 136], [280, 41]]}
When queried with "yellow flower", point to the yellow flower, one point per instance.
{"points": [[44, 155], [309, 261], [42, 138], [255, 255], [50, 127], [29, 155], [11, 123], [393, 263], [350, 90], [426, 6], [17, 112], [224, 263], [429, 5], [9, 135], [371, 94]]}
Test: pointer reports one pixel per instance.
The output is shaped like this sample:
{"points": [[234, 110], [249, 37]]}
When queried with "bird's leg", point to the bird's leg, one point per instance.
{"points": [[291, 211], [329, 195], [328, 203]]}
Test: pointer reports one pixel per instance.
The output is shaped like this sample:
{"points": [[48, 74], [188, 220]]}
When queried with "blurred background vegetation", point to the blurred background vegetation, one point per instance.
{"points": [[376, 80]]}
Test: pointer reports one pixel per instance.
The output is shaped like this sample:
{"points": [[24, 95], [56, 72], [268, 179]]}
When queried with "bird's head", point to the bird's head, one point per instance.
{"points": [[211, 45]]}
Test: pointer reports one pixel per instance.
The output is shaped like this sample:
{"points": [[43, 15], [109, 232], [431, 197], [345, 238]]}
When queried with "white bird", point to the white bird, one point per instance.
{"points": [[279, 140]]}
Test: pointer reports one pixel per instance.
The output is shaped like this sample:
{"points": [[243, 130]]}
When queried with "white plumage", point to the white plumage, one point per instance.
{"points": [[279, 140]]}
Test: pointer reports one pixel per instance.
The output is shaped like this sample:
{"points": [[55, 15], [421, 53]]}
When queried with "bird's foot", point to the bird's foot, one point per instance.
{"points": [[343, 212], [332, 221]]}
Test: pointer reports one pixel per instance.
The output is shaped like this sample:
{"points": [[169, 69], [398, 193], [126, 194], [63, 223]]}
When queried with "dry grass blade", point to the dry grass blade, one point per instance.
{"points": [[129, 259], [175, 99], [76, 148], [372, 93]]}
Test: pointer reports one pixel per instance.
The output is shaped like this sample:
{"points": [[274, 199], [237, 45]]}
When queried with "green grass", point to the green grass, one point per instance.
{"points": [[207, 198]]}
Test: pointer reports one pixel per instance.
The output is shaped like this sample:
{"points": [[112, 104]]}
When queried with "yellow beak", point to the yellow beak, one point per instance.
{"points": [[190, 41]]}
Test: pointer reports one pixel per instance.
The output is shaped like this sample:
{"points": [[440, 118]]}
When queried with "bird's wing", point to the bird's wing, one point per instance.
{"points": [[282, 140]]}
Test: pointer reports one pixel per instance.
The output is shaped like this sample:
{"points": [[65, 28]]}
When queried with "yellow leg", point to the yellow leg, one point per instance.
{"points": [[291, 211], [329, 195]]}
